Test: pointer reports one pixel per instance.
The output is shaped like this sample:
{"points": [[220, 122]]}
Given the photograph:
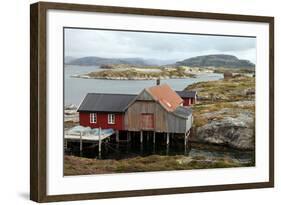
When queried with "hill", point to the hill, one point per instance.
{"points": [[98, 61], [219, 60]]}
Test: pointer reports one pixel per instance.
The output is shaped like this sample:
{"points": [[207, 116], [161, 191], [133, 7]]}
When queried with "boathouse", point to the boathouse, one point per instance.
{"points": [[156, 109]]}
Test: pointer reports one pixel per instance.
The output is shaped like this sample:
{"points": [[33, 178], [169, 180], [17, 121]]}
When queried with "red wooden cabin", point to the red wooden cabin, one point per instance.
{"points": [[189, 97], [104, 110]]}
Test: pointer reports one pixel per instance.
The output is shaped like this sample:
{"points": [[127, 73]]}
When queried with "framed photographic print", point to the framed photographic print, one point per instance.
{"points": [[134, 102]]}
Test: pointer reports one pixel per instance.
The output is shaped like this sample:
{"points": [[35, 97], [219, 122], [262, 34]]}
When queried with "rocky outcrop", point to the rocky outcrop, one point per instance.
{"points": [[236, 131]]}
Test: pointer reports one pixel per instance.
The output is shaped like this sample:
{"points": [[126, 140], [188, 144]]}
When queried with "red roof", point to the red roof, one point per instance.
{"points": [[164, 94]]}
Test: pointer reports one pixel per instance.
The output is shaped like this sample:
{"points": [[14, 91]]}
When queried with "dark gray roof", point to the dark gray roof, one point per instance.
{"points": [[186, 94], [184, 112], [101, 102]]}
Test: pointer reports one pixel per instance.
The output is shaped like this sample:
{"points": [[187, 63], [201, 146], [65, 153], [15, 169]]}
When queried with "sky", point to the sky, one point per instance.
{"points": [[162, 46]]}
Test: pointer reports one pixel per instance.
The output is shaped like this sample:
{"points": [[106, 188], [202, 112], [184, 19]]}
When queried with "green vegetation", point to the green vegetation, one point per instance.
{"points": [[225, 90], [240, 70], [82, 166], [216, 111], [223, 98]]}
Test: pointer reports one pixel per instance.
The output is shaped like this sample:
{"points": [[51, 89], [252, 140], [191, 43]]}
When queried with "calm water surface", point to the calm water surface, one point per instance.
{"points": [[75, 89], [134, 149]]}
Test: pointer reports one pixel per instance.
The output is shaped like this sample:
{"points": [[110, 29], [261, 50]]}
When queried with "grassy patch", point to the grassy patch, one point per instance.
{"points": [[222, 98], [233, 89], [204, 113], [83, 166]]}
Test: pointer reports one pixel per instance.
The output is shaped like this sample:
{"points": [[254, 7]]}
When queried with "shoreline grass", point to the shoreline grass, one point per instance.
{"points": [[84, 166]]}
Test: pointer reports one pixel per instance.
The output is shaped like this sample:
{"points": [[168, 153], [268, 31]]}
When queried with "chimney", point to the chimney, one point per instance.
{"points": [[158, 81]]}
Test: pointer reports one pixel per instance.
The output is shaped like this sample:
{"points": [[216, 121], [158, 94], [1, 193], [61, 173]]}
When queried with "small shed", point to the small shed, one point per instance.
{"points": [[227, 75], [189, 97]]}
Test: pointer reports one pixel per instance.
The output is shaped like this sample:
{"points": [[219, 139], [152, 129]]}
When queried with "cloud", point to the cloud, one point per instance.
{"points": [[105, 43]]}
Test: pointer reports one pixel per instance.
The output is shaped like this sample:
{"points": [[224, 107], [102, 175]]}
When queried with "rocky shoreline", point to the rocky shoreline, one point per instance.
{"points": [[227, 117]]}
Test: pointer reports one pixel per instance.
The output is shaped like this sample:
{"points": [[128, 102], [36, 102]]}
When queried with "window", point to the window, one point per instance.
{"points": [[93, 118], [111, 119]]}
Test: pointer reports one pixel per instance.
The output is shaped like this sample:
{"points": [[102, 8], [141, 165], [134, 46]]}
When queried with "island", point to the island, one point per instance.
{"points": [[131, 72]]}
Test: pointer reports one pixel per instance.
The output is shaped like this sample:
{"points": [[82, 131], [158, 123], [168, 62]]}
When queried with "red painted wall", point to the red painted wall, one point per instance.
{"points": [[102, 120], [188, 101]]}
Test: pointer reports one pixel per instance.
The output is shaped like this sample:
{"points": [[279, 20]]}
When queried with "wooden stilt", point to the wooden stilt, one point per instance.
{"points": [[186, 135], [65, 144], [168, 138], [106, 145], [141, 142], [185, 140], [167, 143], [141, 137], [117, 136], [167, 149], [128, 136], [81, 143], [154, 140], [99, 142]]}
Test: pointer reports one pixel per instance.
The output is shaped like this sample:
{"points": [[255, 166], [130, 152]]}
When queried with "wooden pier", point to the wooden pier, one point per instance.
{"points": [[95, 136]]}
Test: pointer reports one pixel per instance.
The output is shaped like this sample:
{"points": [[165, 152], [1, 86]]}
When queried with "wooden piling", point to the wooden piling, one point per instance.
{"points": [[154, 136], [81, 142], [65, 144], [99, 142], [117, 136], [167, 143], [185, 140], [186, 135], [141, 137], [128, 136], [168, 138]]}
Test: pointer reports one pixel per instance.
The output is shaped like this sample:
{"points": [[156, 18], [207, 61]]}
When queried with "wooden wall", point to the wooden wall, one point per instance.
{"points": [[102, 120], [163, 120]]}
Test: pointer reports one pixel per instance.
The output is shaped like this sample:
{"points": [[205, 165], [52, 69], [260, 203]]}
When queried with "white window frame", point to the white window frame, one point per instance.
{"points": [[93, 118], [111, 119]]}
